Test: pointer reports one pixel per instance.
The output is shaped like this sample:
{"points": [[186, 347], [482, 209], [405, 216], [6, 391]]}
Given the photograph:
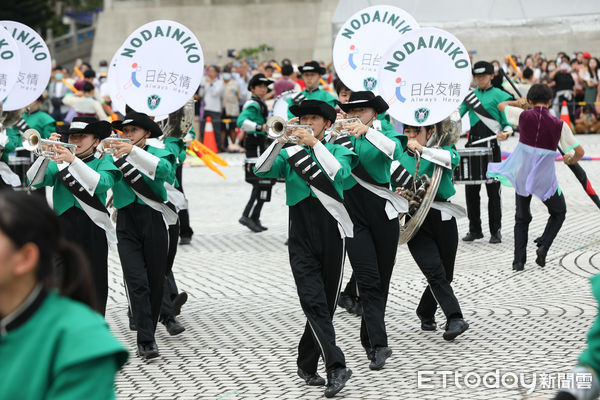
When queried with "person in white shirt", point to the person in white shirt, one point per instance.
{"points": [[86, 105], [211, 90]]}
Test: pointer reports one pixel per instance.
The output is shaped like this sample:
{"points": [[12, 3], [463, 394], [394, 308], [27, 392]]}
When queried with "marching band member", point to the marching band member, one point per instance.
{"points": [[434, 246], [80, 182], [252, 119], [314, 173], [142, 220], [486, 121], [311, 73], [374, 209], [530, 168]]}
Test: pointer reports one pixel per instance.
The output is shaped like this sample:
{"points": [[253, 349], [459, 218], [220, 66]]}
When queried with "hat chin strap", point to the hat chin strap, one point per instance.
{"points": [[82, 153]]}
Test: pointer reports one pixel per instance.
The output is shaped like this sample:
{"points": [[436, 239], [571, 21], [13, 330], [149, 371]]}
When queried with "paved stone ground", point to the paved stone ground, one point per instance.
{"points": [[243, 318]]}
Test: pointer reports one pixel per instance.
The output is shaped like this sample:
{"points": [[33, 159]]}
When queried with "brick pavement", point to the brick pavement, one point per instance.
{"points": [[243, 318]]}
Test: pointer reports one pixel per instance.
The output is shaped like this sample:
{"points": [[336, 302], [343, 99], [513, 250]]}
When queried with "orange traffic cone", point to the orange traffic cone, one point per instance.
{"points": [[209, 136], [564, 114]]}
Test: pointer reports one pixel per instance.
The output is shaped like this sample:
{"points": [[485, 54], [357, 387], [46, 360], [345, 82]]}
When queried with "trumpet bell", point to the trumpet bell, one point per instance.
{"points": [[276, 126], [31, 139]]}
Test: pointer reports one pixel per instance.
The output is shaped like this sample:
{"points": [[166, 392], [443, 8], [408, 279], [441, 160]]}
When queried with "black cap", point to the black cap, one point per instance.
{"points": [[312, 66], [314, 107], [89, 125], [365, 98], [139, 119], [483, 68], [259, 79]]}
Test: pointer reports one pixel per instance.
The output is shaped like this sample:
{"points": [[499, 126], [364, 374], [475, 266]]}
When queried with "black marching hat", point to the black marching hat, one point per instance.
{"points": [[259, 79], [139, 119], [365, 98], [314, 107], [483, 68], [87, 125], [312, 66]]}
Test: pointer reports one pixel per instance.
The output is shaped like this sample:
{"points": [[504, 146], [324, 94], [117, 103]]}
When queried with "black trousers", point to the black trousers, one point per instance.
{"points": [[350, 289], [434, 250], [185, 230], [255, 145], [80, 229], [480, 131], [166, 308], [317, 259], [494, 207], [143, 251], [372, 252], [557, 209]]}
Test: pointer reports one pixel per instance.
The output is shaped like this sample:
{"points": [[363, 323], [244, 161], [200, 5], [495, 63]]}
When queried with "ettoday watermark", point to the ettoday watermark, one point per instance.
{"points": [[497, 379]]}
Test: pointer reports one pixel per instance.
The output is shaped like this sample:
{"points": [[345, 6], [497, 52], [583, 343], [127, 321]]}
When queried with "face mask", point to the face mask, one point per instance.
{"points": [[227, 76], [496, 69], [551, 68], [58, 77]]}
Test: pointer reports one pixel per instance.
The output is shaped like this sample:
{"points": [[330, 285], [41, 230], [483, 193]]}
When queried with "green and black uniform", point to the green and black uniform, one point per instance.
{"points": [[434, 246], [85, 219], [314, 180], [374, 209], [142, 231], [251, 119], [489, 98]]}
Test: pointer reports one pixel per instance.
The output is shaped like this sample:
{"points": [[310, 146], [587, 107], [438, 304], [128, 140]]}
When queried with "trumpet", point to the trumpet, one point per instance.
{"points": [[107, 144], [278, 128], [337, 130], [32, 141]]}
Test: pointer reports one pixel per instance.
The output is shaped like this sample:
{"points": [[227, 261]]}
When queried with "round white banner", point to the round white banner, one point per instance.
{"points": [[424, 76], [35, 70], [158, 68], [118, 103], [10, 63], [363, 39]]}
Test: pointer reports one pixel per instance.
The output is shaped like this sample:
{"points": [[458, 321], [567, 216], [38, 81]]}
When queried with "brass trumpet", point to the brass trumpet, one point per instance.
{"points": [[278, 128], [32, 141], [337, 130], [107, 144]]}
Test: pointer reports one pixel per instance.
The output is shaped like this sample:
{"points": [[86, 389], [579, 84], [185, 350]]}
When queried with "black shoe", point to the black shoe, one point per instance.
{"points": [[427, 324], [336, 380], [345, 301], [185, 240], [250, 224], [311, 379], [173, 327], [538, 241], [454, 328], [261, 226], [370, 353], [496, 238], [179, 301], [356, 308], [541, 255], [148, 350], [469, 237], [380, 354], [518, 266]]}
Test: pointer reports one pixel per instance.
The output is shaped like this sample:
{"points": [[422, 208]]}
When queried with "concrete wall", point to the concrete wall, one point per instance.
{"points": [[288, 26]]}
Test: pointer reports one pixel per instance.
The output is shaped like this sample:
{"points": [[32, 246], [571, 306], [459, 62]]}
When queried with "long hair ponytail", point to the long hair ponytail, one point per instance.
{"points": [[28, 219]]}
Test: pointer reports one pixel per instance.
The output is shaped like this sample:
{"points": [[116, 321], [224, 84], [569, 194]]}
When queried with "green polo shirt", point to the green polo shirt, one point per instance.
{"points": [[489, 99], [318, 94], [296, 188], [63, 199], [123, 195], [64, 351], [446, 188], [376, 163], [591, 355], [251, 112]]}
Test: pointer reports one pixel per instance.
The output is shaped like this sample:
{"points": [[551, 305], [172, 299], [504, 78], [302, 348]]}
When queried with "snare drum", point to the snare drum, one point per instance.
{"points": [[473, 166]]}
